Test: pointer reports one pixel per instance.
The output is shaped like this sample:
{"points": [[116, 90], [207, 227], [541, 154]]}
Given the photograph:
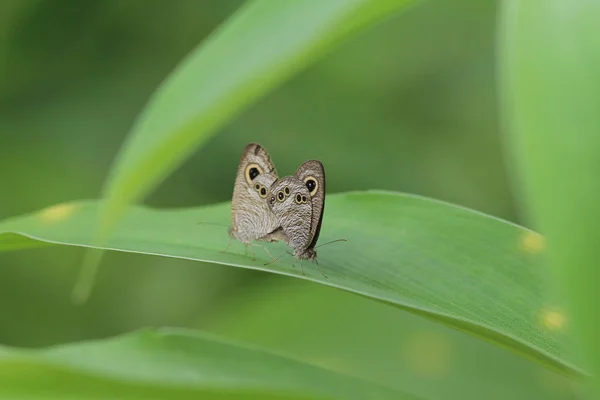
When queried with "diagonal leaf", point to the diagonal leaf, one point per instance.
{"points": [[258, 48], [171, 364], [551, 70], [470, 271]]}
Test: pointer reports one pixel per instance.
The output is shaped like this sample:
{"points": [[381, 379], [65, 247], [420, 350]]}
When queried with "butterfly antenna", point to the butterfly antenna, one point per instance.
{"points": [[333, 241]]}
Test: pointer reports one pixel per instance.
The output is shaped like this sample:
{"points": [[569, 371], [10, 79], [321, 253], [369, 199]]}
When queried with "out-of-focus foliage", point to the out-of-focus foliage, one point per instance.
{"points": [[407, 106], [175, 364], [371, 340], [552, 88]]}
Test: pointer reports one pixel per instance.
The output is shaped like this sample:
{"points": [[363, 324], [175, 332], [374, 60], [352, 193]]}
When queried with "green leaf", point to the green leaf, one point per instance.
{"points": [[551, 70], [171, 364], [343, 332], [258, 48], [458, 267]]}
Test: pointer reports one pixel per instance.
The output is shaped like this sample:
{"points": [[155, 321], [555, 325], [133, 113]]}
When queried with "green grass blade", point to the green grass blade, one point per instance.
{"points": [[171, 364], [259, 47], [340, 331], [458, 267], [551, 72]]}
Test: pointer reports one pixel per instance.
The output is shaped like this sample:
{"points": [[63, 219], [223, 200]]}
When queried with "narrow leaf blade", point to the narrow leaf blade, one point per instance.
{"points": [[171, 364], [550, 69], [458, 267]]}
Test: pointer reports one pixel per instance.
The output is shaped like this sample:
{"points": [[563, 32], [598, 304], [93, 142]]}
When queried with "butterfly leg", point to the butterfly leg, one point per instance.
{"points": [[302, 268], [277, 258], [320, 270], [246, 251], [294, 265], [264, 248], [228, 244], [249, 246]]}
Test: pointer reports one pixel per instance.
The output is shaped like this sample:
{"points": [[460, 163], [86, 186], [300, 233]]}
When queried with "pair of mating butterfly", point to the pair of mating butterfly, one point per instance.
{"points": [[268, 208]]}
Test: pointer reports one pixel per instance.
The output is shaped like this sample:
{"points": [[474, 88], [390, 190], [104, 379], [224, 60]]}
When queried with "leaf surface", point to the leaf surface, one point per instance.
{"points": [[458, 267], [550, 63]]}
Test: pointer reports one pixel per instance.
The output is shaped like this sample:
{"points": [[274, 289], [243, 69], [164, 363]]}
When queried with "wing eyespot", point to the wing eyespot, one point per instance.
{"points": [[252, 171], [311, 184]]}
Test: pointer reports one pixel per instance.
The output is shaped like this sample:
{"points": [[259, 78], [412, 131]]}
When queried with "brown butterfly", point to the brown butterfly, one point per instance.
{"points": [[298, 203], [252, 219]]}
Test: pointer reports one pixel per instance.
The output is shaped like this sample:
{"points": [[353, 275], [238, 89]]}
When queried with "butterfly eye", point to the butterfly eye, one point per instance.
{"points": [[280, 196], [298, 198], [311, 185], [263, 192], [304, 199], [286, 190], [257, 187]]}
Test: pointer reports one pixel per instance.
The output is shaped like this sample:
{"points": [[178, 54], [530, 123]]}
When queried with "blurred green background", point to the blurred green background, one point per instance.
{"points": [[409, 106]]}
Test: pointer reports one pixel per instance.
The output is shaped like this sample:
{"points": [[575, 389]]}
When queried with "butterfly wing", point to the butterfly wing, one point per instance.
{"points": [[312, 175], [251, 217], [290, 201]]}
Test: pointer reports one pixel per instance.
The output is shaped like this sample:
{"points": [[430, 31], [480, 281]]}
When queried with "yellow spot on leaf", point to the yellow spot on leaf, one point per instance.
{"points": [[553, 319], [59, 212], [429, 354], [532, 242]]}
